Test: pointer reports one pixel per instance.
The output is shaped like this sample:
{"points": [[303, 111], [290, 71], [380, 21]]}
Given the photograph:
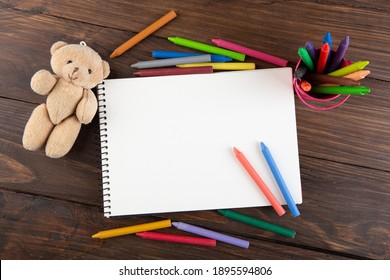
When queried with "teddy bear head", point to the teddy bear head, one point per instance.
{"points": [[78, 64]]}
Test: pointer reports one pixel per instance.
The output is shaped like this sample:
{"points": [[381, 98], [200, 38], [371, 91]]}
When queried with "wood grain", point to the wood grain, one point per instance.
{"points": [[317, 124], [50, 208], [248, 22], [41, 228]]}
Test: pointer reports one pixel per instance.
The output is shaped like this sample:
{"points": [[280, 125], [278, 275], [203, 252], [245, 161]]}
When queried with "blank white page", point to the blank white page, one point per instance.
{"points": [[170, 140]]}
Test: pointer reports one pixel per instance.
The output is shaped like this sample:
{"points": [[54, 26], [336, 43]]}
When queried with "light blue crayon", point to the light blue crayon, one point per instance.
{"points": [[170, 54], [328, 39], [279, 179]]}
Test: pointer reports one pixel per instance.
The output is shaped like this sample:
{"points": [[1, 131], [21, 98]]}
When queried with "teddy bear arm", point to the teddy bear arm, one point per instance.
{"points": [[87, 107], [43, 82]]}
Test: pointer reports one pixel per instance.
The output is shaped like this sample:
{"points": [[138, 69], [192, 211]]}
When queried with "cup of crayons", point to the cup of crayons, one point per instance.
{"points": [[324, 75]]}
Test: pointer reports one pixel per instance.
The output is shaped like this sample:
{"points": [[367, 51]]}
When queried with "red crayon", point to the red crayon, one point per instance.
{"points": [[259, 182], [345, 62], [177, 238], [173, 71], [322, 60]]}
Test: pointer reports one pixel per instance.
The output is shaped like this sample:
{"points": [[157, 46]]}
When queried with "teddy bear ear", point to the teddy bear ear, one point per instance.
{"points": [[106, 69], [56, 46]]}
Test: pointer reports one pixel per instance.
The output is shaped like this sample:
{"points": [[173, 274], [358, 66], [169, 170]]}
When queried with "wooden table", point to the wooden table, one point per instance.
{"points": [[51, 207]]}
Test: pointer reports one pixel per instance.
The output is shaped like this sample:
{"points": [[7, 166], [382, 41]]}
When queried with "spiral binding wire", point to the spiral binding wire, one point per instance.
{"points": [[101, 94]]}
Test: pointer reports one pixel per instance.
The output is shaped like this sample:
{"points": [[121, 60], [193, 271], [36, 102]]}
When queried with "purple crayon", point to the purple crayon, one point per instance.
{"points": [[211, 234], [309, 46], [338, 56]]}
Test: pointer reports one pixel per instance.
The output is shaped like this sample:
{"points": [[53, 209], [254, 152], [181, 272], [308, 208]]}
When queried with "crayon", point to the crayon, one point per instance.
{"points": [[355, 90], [323, 58], [143, 34], [305, 85], [259, 182], [358, 75], [309, 46], [278, 177], [339, 55], [222, 65], [345, 62], [171, 54], [173, 71], [177, 238], [171, 61], [328, 39], [206, 48], [359, 65], [211, 234], [323, 78], [300, 72], [302, 52], [132, 229], [250, 52], [257, 223]]}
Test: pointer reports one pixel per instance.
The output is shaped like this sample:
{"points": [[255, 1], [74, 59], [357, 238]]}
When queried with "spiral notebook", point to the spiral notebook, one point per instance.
{"points": [[167, 142]]}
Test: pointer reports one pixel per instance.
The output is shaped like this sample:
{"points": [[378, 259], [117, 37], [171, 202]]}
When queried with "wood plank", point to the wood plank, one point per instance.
{"points": [[338, 213], [343, 153], [75, 177], [367, 113], [247, 22], [25, 49], [328, 187], [41, 228], [357, 132]]}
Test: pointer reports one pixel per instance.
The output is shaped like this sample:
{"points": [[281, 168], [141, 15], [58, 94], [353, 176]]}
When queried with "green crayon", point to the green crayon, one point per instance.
{"points": [[206, 48], [302, 52], [257, 223], [355, 90]]}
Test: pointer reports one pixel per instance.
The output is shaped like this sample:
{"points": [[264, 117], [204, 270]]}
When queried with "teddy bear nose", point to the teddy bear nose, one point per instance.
{"points": [[75, 69]]}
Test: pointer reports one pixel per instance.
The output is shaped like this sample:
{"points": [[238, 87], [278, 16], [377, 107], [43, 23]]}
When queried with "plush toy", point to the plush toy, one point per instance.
{"points": [[70, 101]]}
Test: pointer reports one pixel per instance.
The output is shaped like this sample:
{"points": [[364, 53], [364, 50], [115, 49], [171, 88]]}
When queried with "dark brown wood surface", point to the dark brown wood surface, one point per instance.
{"points": [[50, 208]]}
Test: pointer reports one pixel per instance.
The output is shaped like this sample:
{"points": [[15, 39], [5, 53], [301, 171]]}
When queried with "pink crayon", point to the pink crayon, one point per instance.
{"points": [[177, 238], [250, 52], [173, 71]]}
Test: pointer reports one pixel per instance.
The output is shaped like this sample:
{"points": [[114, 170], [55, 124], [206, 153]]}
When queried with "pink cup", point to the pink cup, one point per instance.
{"points": [[306, 96]]}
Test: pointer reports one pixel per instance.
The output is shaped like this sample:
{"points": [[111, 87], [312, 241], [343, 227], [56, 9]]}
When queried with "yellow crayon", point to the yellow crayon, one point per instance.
{"points": [[359, 65], [132, 229], [222, 65]]}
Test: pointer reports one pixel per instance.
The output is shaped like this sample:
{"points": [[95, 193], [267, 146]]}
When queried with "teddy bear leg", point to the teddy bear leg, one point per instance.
{"points": [[37, 129], [63, 137]]}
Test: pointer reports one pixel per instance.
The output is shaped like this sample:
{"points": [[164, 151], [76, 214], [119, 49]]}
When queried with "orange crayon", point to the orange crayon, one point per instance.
{"points": [[305, 85], [358, 75], [143, 34], [259, 182]]}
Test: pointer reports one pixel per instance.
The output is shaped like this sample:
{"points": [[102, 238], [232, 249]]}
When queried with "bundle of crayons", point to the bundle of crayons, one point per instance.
{"points": [[208, 237], [219, 57], [328, 72]]}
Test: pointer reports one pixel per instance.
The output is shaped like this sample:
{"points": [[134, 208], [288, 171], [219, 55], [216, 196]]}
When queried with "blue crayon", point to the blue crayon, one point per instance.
{"points": [[279, 179], [328, 39], [170, 54]]}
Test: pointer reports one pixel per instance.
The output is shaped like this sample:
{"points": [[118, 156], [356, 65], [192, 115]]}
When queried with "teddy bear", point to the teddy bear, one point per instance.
{"points": [[70, 101]]}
